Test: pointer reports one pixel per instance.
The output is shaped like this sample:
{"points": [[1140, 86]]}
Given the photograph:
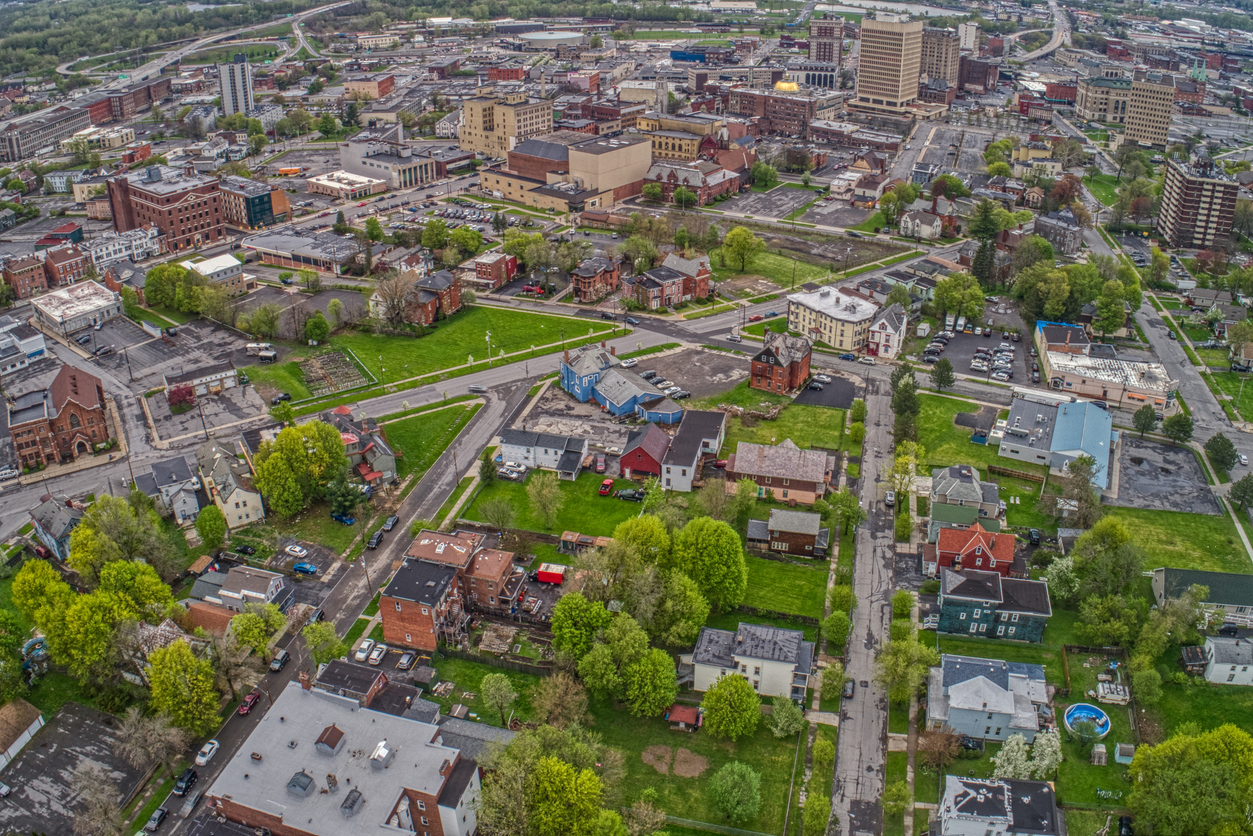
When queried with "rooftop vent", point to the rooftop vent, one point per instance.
{"points": [[352, 803], [382, 755], [300, 785], [330, 741]]}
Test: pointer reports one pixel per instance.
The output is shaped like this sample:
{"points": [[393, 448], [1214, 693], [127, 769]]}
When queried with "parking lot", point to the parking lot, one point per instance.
{"points": [[835, 213], [703, 373], [318, 555], [1161, 478], [212, 411], [838, 394], [776, 203], [197, 344], [961, 351]]}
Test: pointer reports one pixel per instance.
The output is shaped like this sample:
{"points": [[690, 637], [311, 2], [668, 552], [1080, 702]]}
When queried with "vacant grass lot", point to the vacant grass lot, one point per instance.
{"points": [[423, 438], [280, 377], [1104, 187], [807, 426], [1207, 705], [742, 395], [1186, 541], [1229, 383], [463, 336], [947, 444], [468, 677], [689, 796], [731, 621], [780, 269], [786, 587], [583, 509]]}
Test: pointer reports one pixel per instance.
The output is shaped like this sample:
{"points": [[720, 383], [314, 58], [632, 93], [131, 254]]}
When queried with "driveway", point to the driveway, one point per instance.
{"points": [[838, 394]]}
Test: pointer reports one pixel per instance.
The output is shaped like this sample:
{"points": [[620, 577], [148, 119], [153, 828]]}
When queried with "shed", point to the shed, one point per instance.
{"points": [[1124, 752], [425, 677], [686, 718]]}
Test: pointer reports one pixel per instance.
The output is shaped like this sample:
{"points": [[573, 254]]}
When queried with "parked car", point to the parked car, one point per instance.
{"points": [[606, 487], [848, 688], [889, 499], [155, 820], [207, 752], [296, 551], [377, 654], [815, 385], [648, 375], [1230, 630], [756, 318], [670, 390], [607, 315], [1244, 459], [375, 539], [849, 357], [245, 549], [1034, 536], [304, 568], [406, 660], [185, 781], [630, 364], [601, 463], [280, 660], [390, 523], [680, 395], [630, 494], [343, 518], [822, 378], [869, 361], [721, 464], [1001, 376], [278, 399], [630, 320], [772, 313], [660, 382], [363, 651]]}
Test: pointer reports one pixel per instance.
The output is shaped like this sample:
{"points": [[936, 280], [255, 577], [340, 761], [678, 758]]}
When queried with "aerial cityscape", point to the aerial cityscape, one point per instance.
{"points": [[740, 417]]}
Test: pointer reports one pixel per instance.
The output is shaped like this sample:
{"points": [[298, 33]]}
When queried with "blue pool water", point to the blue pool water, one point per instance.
{"points": [[1083, 711]]}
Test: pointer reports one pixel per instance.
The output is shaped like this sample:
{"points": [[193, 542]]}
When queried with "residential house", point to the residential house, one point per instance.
{"points": [[595, 278], [887, 332], [661, 287], [562, 453], [1056, 434], [838, 317], [868, 189], [644, 452], [227, 481], [960, 517], [782, 364], [986, 604], [997, 807], [54, 518], [700, 435], [137, 641], [961, 485], [484, 578], [432, 297], [1227, 660], [972, 548], [594, 373], [1062, 230], [421, 606], [794, 533], [65, 264], [494, 269], [1230, 598], [173, 486], [1002, 261], [697, 274], [244, 585], [1200, 297], [25, 275], [791, 474], [365, 444], [125, 273], [986, 699], [1033, 198], [922, 225], [777, 662]]}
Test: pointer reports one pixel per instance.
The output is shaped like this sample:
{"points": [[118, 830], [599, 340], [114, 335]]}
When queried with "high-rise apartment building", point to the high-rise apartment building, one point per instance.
{"points": [[1198, 203], [941, 53], [493, 125], [968, 34], [826, 38], [889, 64], [1148, 109], [235, 86]]}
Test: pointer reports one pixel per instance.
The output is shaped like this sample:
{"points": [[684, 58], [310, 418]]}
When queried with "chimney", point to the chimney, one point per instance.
{"points": [[613, 350], [567, 356], [305, 682], [602, 343]]}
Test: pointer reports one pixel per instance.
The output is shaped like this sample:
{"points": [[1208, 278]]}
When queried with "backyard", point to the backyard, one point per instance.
{"points": [[582, 508], [468, 678], [786, 587], [807, 426], [947, 443]]}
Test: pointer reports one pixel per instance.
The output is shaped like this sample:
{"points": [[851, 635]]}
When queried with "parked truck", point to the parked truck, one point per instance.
{"points": [[948, 322], [253, 349], [551, 573], [961, 324]]}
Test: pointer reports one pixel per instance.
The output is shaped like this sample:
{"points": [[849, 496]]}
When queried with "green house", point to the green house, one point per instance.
{"points": [[984, 604]]}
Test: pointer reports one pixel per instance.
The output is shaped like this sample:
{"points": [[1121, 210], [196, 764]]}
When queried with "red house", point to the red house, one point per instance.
{"points": [[494, 269], [65, 265], [975, 548], [644, 452], [595, 278], [782, 365], [696, 273]]}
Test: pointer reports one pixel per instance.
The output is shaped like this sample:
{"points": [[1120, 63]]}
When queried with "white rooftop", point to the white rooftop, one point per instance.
{"points": [[1122, 372], [831, 302], [75, 300], [217, 264]]}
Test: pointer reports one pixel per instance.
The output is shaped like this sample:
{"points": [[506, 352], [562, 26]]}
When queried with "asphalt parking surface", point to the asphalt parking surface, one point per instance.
{"points": [[703, 373], [838, 394], [775, 203], [961, 350], [1161, 478]]}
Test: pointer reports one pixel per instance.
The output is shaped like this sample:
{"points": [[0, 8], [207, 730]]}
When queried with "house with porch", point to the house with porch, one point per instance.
{"points": [[546, 451], [594, 373], [794, 533], [973, 548], [1230, 598], [961, 485], [365, 444], [887, 332], [987, 699], [776, 661], [784, 470]]}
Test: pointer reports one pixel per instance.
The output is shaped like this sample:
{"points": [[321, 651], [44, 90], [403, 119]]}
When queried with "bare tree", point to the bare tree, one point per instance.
{"points": [[145, 740], [392, 290], [237, 668], [939, 747], [99, 813], [560, 700], [132, 738], [498, 512]]}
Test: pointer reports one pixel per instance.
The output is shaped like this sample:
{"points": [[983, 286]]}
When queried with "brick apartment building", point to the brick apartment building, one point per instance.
{"points": [[26, 276], [138, 97], [65, 265], [782, 365], [433, 296], [186, 208], [783, 113], [60, 423], [494, 269], [595, 278], [506, 73]]}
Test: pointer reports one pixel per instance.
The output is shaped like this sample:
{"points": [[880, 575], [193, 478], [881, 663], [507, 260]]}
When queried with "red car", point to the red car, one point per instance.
{"points": [[721, 464], [362, 203], [606, 487], [245, 707], [756, 318]]}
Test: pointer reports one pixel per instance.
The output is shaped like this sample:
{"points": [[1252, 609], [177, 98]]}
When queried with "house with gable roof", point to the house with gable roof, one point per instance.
{"points": [[595, 278], [782, 364], [173, 486], [987, 699], [700, 436], [978, 603], [793, 475], [961, 485], [365, 445], [922, 224], [547, 451], [644, 453], [696, 272], [54, 518], [594, 373], [227, 481], [973, 548], [789, 532], [887, 332], [776, 661]]}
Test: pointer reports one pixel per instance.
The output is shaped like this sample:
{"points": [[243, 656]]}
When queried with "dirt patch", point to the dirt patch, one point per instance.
{"points": [[658, 757], [688, 764]]}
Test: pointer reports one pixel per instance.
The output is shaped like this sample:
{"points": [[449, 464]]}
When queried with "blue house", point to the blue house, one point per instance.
{"points": [[986, 699], [985, 604], [54, 519], [593, 373]]}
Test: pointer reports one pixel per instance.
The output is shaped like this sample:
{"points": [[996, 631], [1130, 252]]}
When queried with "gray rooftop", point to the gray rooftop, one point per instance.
{"points": [[752, 641], [1229, 651], [475, 740], [799, 522]]}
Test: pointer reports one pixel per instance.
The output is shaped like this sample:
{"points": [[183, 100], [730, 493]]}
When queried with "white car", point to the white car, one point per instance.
{"points": [[377, 654], [207, 752], [363, 651], [672, 389], [296, 551], [869, 361], [1244, 459], [630, 364], [822, 378]]}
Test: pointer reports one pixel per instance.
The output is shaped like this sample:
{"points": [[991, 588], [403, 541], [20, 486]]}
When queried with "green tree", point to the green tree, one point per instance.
{"points": [[1145, 419], [680, 614], [650, 683], [646, 535], [984, 225], [710, 553], [576, 622], [39, 592], [182, 687], [786, 718], [498, 693], [562, 800], [1111, 314], [899, 295], [1013, 761], [317, 329], [599, 672], [327, 125], [960, 294], [902, 666], [1222, 453], [295, 468], [1147, 686], [466, 240], [374, 229], [323, 642], [1194, 782], [732, 708], [435, 235], [835, 628], [545, 496], [1178, 427], [764, 175], [112, 530], [684, 197], [735, 790], [1241, 492], [742, 246], [596, 42], [942, 374], [211, 526]]}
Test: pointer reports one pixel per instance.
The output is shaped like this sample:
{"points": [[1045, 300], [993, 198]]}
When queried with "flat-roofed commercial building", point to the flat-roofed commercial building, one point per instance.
{"points": [[186, 208], [941, 53], [889, 63], [1151, 102]]}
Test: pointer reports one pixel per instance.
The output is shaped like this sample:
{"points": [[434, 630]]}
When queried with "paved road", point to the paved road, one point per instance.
{"points": [[1061, 34]]}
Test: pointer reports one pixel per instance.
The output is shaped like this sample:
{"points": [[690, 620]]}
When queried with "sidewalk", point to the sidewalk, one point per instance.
{"points": [[52, 471]]}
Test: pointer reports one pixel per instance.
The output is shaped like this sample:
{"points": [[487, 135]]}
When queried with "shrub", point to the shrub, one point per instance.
{"points": [[929, 587], [857, 432], [841, 598], [902, 604], [903, 526], [901, 629], [835, 628], [858, 412]]}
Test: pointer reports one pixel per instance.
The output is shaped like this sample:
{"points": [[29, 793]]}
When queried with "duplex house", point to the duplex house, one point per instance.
{"points": [[997, 807], [789, 532], [986, 699], [227, 481], [422, 605], [986, 604], [961, 485], [173, 486], [790, 473], [365, 444], [546, 451], [700, 434], [782, 364], [972, 548], [1230, 597], [922, 224], [777, 662]]}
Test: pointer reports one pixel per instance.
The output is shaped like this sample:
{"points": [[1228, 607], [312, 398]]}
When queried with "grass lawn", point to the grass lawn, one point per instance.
{"points": [[1078, 779], [688, 796], [807, 426], [282, 377], [946, 443], [743, 396], [468, 677], [1090, 822], [897, 764], [583, 509], [1024, 513], [786, 587], [53, 691], [1104, 187], [780, 269], [1033, 654], [355, 631], [778, 325], [926, 785], [1186, 541], [315, 525], [731, 621], [161, 793], [447, 507], [868, 225], [6, 600], [423, 438], [1207, 705], [898, 718], [1229, 382], [457, 339]]}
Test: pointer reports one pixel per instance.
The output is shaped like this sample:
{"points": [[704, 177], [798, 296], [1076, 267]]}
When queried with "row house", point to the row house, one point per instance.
{"points": [[65, 265], [697, 274], [134, 245], [595, 278]]}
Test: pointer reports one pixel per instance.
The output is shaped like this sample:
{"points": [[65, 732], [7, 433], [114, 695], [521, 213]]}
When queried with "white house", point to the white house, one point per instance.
{"points": [[1229, 661], [700, 434], [546, 451], [223, 270], [172, 485], [921, 225], [19, 720], [133, 245], [775, 661], [887, 332], [228, 482], [206, 379]]}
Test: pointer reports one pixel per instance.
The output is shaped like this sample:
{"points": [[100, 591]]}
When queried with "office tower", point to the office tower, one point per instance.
{"points": [[235, 85], [889, 64]]}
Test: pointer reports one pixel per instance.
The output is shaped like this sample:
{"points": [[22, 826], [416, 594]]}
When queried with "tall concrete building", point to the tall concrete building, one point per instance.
{"points": [[826, 38], [1102, 99], [968, 33], [493, 125], [889, 64], [1149, 105], [1198, 203], [941, 53], [235, 86]]}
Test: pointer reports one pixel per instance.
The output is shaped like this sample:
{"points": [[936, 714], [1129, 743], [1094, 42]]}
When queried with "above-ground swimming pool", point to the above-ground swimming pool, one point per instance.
{"points": [[1083, 711]]}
